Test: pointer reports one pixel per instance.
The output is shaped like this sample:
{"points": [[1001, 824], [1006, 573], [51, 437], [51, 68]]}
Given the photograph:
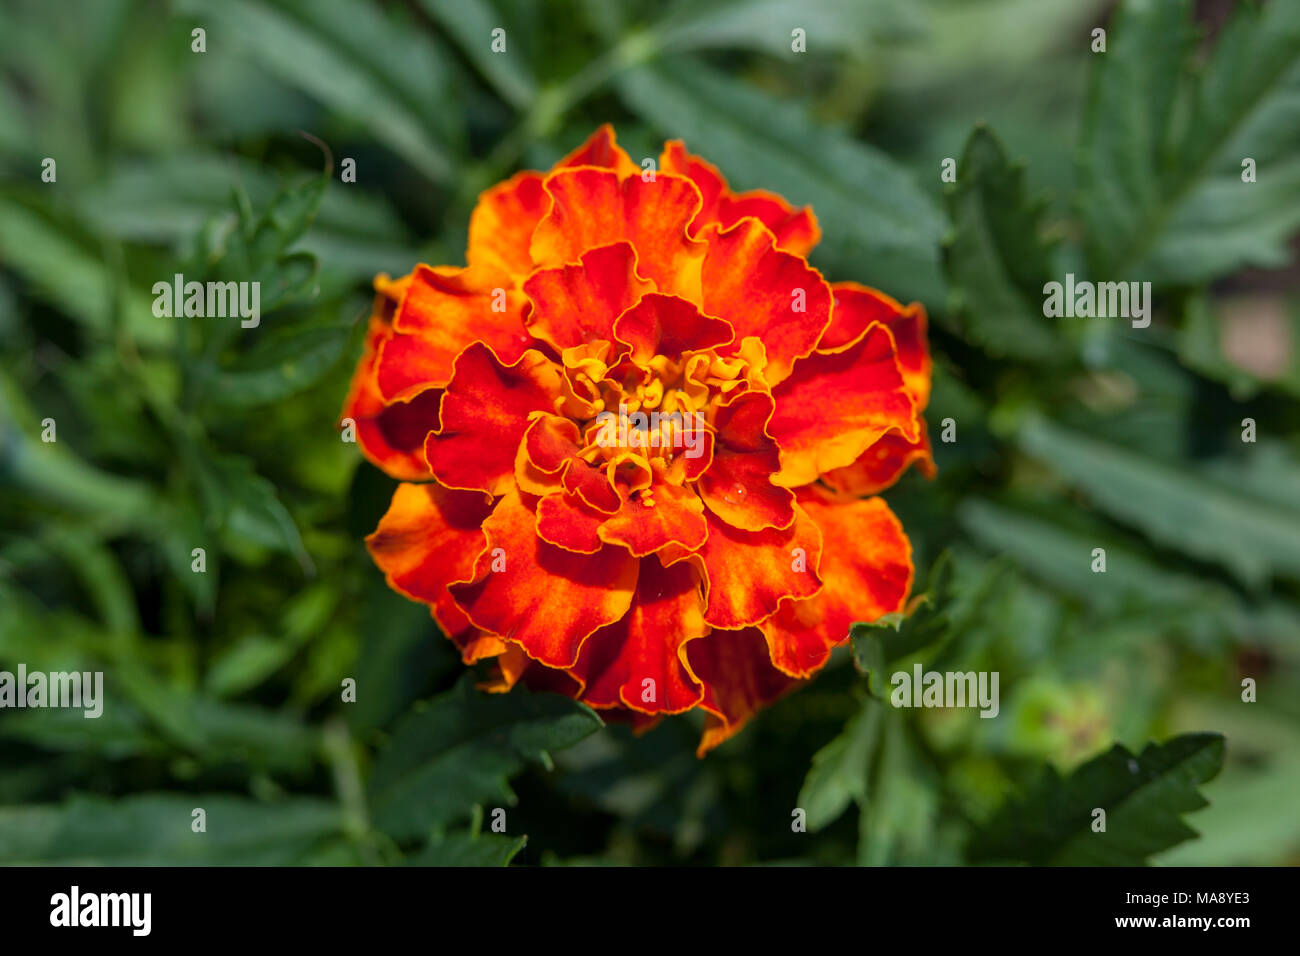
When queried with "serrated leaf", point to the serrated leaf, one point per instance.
{"points": [[1254, 538], [155, 830], [459, 751], [878, 227], [994, 260], [925, 621], [1163, 143], [1144, 798], [279, 367], [461, 849], [839, 771]]}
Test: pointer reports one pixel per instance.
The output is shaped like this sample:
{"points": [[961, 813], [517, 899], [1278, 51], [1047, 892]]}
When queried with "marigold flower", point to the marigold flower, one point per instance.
{"points": [[635, 433]]}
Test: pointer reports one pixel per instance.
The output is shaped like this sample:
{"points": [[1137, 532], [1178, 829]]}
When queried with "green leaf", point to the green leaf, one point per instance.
{"points": [[1176, 507], [283, 365], [1144, 798], [995, 263], [155, 830], [878, 227], [925, 621], [70, 273], [853, 27], [459, 750], [461, 849], [377, 71], [1162, 194], [470, 23], [169, 199], [838, 775]]}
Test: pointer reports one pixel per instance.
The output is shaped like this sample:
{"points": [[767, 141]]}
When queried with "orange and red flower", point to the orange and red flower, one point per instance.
{"points": [[635, 433]]}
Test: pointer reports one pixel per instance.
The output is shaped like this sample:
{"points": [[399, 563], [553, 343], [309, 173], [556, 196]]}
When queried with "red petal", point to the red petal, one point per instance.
{"points": [[668, 325], [438, 317], [566, 521], [427, 540], [485, 412], [501, 226], [646, 645], [676, 517], [737, 486], [757, 288], [602, 149], [738, 678], [747, 573], [546, 599], [857, 307], [836, 405], [884, 463], [866, 570], [593, 208], [575, 304]]}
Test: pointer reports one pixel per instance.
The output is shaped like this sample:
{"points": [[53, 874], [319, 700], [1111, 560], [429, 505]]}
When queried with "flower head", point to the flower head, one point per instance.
{"points": [[635, 433]]}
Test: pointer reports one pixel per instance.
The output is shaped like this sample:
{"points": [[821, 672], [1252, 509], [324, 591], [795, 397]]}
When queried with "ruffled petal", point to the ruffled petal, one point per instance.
{"points": [[866, 571], [670, 514], [668, 325], [836, 405], [602, 149], [485, 412], [765, 292], [637, 662], [857, 307], [501, 226], [738, 486], [546, 599], [593, 208], [426, 541], [438, 317], [796, 230], [739, 680], [883, 463], [566, 521], [391, 436], [747, 573], [576, 304]]}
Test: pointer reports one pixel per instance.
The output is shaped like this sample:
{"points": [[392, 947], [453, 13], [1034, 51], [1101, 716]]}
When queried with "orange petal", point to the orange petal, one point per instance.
{"points": [[884, 463], [576, 304], [637, 662], [566, 521], [668, 325], [747, 573], [593, 208], [676, 517], [796, 230], [738, 678], [501, 225], [866, 572], [485, 412], [545, 598], [765, 292], [737, 486], [390, 435], [438, 317], [836, 405], [427, 540], [858, 306], [602, 149]]}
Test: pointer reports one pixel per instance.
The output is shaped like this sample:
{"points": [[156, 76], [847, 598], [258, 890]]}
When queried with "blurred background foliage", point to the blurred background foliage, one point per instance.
{"points": [[224, 687]]}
